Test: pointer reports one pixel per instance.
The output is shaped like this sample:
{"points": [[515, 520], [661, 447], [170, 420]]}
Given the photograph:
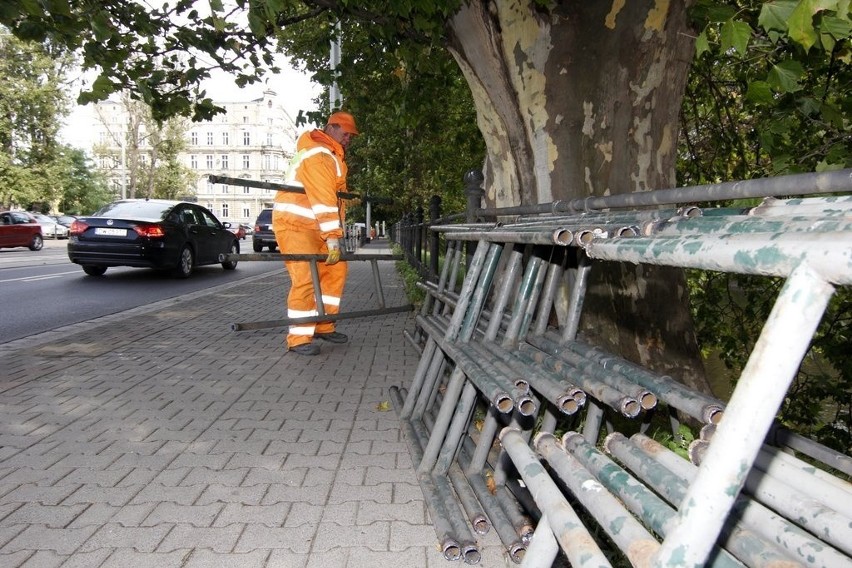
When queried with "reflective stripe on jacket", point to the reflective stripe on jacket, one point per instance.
{"points": [[319, 167]]}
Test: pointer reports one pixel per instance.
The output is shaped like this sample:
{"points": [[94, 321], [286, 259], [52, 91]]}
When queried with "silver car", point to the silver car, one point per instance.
{"points": [[50, 229]]}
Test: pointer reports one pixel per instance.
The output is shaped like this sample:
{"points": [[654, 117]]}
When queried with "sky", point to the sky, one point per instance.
{"points": [[295, 90]]}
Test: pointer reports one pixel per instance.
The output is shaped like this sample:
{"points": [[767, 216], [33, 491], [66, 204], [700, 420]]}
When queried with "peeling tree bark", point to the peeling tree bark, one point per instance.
{"points": [[583, 99]]}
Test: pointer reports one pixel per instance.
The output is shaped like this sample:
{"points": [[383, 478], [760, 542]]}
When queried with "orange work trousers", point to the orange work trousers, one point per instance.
{"points": [[301, 301]]}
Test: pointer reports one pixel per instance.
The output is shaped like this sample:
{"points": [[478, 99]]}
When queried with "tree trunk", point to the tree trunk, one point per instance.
{"points": [[583, 100]]}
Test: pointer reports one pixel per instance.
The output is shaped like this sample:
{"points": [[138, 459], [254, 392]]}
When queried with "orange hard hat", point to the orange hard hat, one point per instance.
{"points": [[345, 121]]}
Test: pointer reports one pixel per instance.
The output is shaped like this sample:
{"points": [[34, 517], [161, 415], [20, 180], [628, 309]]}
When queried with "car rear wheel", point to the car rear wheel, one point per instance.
{"points": [[258, 247], [36, 243], [95, 270], [272, 247], [232, 264], [186, 262]]}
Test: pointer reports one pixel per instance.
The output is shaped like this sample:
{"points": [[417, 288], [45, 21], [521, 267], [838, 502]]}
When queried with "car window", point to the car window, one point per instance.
{"points": [[209, 220], [265, 216], [188, 217], [19, 218], [5, 219], [141, 210]]}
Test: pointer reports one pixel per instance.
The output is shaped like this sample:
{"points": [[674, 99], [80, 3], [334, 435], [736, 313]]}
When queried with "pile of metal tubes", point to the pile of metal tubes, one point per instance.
{"points": [[495, 380]]}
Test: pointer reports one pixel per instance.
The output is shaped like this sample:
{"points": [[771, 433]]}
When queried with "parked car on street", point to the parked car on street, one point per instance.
{"points": [[64, 220], [262, 236], [175, 236], [237, 229], [19, 229], [50, 229]]}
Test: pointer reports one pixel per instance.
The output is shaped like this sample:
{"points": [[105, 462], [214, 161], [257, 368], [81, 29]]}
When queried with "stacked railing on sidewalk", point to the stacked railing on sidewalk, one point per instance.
{"points": [[493, 367]]}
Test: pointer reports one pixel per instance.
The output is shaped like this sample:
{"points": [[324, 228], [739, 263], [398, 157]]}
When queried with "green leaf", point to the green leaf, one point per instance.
{"points": [[101, 26], [784, 77], [735, 34], [759, 92], [257, 24], [838, 28], [774, 15], [801, 24], [702, 45], [216, 5]]}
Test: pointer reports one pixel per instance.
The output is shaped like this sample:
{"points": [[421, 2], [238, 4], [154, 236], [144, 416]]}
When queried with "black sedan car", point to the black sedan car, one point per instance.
{"points": [[153, 233]]}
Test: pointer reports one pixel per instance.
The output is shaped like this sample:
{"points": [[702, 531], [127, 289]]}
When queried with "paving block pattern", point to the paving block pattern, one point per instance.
{"points": [[160, 438]]}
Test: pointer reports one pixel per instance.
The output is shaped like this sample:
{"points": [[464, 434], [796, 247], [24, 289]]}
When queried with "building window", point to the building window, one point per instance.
{"points": [[211, 187], [193, 138], [246, 138], [269, 139], [225, 139], [209, 138], [245, 120], [246, 189], [246, 211], [209, 161], [193, 161], [225, 210], [246, 162], [224, 161]]}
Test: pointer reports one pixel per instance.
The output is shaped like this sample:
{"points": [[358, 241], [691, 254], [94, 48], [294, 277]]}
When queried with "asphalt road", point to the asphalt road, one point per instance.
{"points": [[43, 290]]}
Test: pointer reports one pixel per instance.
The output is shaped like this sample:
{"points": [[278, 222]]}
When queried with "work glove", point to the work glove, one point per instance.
{"points": [[333, 251]]}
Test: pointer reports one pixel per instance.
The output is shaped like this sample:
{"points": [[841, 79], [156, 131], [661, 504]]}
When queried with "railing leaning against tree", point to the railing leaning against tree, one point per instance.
{"points": [[494, 366]]}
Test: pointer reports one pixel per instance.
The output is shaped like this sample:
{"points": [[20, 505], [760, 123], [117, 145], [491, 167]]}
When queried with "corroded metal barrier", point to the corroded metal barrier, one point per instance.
{"points": [[494, 367], [321, 316]]}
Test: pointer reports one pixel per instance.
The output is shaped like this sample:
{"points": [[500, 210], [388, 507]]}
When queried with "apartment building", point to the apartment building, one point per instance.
{"points": [[252, 140]]}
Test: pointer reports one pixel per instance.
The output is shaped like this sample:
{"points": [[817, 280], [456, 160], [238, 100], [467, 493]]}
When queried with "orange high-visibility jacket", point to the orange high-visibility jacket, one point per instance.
{"points": [[319, 167]]}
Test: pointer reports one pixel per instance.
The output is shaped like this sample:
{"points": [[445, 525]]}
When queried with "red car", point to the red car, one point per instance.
{"points": [[238, 230], [19, 229]]}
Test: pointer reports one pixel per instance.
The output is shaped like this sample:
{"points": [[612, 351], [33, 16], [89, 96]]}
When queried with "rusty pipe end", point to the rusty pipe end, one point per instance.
{"points": [[647, 400], [526, 533], [585, 237], [506, 431], [503, 403], [568, 439], [522, 385], [611, 439], [627, 231], [707, 432], [470, 553], [568, 404], [562, 237], [690, 211], [516, 552], [713, 413], [579, 395], [629, 407], [451, 550], [696, 451], [480, 524], [541, 437], [527, 406]]}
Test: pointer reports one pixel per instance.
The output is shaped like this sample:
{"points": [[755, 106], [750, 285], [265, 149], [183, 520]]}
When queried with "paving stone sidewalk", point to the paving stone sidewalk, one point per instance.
{"points": [[159, 437]]}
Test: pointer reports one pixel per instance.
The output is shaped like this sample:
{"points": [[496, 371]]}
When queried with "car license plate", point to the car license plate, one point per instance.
{"points": [[111, 232]]}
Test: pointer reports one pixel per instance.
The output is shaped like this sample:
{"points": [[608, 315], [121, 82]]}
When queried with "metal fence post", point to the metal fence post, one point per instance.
{"points": [[418, 238], [473, 180], [434, 238]]}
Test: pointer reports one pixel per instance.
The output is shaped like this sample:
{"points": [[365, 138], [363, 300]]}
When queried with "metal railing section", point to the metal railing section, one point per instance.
{"points": [[496, 378]]}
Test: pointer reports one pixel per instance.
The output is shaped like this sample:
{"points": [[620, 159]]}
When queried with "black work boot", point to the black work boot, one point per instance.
{"points": [[333, 337], [305, 349]]}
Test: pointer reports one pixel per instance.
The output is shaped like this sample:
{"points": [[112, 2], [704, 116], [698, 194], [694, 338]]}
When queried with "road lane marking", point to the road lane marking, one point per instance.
{"points": [[43, 277]]}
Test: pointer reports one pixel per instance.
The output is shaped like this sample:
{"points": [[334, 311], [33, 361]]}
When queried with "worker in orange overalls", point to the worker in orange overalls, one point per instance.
{"points": [[312, 223]]}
